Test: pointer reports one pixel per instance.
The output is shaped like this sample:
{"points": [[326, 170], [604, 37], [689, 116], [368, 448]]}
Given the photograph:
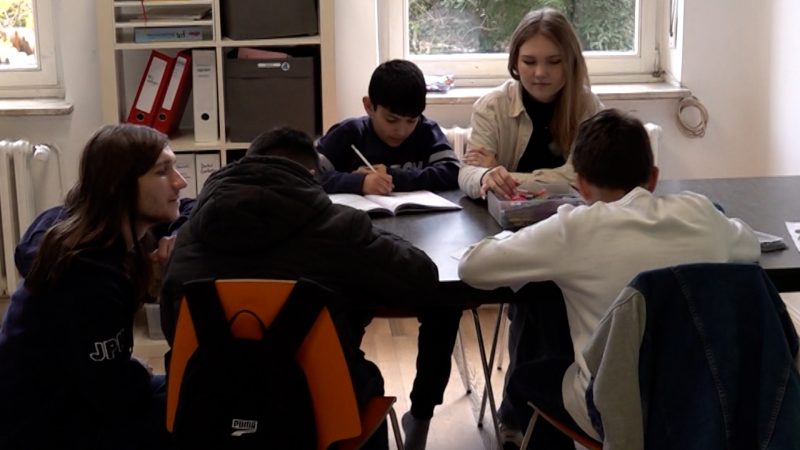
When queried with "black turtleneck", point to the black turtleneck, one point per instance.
{"points": [[538, 153]]}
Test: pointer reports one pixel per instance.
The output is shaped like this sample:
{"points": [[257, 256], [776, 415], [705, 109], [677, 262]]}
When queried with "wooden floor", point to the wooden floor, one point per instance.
{"points": [[392, 345]]}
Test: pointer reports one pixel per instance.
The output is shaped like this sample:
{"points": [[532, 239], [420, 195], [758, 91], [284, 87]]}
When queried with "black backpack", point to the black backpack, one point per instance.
{"points": [[241, 393]]}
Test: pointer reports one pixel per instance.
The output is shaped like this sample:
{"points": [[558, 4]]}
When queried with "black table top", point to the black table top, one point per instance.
{"points": [[764, 203]]}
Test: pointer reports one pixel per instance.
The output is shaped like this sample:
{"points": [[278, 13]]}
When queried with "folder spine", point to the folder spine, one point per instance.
{"points": [[167, 34], [151, 90], [204, 80], [185, 165], [206, 164], [176, 96]]}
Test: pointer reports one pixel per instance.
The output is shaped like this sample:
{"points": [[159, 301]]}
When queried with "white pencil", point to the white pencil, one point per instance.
{"points": [[363, 158]]}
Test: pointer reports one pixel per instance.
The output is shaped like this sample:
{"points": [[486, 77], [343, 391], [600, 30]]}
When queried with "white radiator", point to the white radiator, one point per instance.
{"points": [[654, 132], [30, 182], [458, 138]]}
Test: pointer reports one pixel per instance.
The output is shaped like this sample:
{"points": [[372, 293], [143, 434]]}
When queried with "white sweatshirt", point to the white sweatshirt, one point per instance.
{"points": [[592, 252]]}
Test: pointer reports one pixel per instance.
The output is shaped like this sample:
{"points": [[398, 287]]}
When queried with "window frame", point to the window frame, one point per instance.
{"points": [[479, 70], [44, 81]]}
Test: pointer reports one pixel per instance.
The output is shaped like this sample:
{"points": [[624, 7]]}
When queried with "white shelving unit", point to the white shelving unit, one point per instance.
{"points": [[122, 61]]}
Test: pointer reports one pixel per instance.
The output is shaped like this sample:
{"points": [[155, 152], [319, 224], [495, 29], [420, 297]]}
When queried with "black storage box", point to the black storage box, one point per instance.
{"points": [[263, 19], [261, 94]]}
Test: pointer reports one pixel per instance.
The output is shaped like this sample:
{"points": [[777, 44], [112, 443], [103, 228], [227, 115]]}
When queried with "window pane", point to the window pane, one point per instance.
{"points": [[442, 27], [17, 36]]}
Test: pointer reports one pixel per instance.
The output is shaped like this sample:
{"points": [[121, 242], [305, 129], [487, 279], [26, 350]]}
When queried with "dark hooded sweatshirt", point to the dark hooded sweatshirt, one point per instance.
{"points": [[67, 379], [266, 217]]}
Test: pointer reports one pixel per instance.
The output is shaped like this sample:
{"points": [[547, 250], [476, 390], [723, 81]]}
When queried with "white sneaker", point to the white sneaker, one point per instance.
{"points": [[509, 434]]}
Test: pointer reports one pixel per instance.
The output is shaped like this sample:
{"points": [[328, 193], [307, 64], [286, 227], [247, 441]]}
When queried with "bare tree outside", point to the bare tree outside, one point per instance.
{"points": [[442, 27]]}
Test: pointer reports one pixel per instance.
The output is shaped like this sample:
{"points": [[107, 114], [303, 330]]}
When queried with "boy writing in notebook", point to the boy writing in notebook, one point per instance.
{"points": [[407, 152], [591, 252]]}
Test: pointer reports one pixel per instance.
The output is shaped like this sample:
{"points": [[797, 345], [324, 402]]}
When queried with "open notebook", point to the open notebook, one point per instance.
{"points": [[396, 202]]}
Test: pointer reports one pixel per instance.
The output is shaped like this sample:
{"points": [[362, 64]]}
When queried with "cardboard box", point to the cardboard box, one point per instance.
{"points": [[542, 202], [261, 94], [263, 19]]}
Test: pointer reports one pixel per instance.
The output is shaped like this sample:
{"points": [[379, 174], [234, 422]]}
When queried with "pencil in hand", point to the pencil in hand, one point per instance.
{"points": [[360, 155]]}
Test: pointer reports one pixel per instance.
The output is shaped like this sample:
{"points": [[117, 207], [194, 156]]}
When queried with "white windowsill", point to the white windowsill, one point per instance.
{"points": [[35, 107], [630, 91]]}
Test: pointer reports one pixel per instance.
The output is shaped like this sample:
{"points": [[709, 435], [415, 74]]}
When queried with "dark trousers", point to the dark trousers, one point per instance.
{"points": [[437, 337], [438, 329], [540, 383], [538, 331], [153, 432]]}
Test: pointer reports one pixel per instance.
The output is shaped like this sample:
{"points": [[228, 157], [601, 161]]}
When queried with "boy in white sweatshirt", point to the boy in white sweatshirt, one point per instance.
{"points": [[591, 252]]}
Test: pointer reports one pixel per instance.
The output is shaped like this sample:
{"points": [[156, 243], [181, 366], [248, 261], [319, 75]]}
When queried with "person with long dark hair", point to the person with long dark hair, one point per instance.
{"points": [[67, 376]]}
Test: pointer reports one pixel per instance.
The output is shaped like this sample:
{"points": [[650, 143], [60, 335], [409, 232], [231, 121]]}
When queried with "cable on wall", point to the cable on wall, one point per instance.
{"points": [[697, 129]]}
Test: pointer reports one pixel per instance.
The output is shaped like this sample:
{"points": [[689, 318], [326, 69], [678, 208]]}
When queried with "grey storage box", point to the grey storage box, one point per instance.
{"points": [[264, 93], [261, 19], [541, 202]]}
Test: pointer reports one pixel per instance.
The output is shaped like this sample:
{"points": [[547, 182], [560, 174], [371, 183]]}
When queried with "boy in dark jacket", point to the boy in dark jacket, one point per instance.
{"points": [[265, 216], [408, 152]]}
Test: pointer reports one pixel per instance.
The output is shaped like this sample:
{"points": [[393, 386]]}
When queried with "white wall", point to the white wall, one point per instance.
{"points": [[784, 83], [76, 38], [738, 59], [356, 53]]}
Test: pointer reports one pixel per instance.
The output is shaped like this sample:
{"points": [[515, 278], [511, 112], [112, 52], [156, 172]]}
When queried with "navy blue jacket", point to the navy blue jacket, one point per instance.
{"points": [[67, 379], [424, 161]]}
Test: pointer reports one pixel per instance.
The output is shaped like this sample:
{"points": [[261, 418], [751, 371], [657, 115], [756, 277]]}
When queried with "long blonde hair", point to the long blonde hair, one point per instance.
{"points": [[574, 101]]}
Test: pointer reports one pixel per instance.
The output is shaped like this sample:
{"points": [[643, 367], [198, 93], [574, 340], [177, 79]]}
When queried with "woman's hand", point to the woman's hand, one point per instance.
{"points": [[480, 157], [499, 181]]}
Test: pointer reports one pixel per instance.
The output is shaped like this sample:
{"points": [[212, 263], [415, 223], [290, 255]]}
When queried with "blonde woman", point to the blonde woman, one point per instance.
{"points": [[523, 129]]}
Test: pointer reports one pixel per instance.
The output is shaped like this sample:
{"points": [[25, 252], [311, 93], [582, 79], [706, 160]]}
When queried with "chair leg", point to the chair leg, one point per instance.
{"points": [[528, 432], [488, 376], [501, 340], [398, 439], [461, 362], [491, 363]]}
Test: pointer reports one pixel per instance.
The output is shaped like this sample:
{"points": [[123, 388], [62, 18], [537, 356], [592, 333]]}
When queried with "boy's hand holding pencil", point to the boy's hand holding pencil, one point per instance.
{"points": [[376, 182]]}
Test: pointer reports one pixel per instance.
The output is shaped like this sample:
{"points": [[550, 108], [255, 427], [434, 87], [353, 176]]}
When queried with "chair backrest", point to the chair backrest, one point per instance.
{"points": [[696, 356], [321, 356]]}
